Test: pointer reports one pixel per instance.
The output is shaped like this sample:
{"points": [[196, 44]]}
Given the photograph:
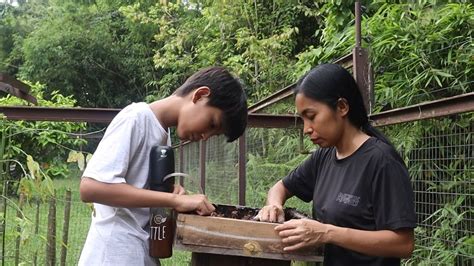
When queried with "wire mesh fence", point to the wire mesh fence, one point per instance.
{"points": [[222, 170], [270, 155], [221, 179], [440, 161], [28, 237], [442, 170], [439, 155]]}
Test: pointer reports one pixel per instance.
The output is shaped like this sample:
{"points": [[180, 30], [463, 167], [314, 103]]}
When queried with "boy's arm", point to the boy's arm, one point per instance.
{"points": [[125, 195]]}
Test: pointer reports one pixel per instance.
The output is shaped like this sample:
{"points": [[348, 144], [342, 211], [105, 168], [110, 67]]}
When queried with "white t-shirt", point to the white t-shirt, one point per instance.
{"points": [[119, 236]]}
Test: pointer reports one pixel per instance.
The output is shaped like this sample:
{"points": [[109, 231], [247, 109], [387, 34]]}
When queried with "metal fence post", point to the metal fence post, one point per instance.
{"points": [[4, 224], [18, 229], [202, 164], [51, 237], [242, 170], [37, 221], [360, 60], [67, 215], [181, 163]]}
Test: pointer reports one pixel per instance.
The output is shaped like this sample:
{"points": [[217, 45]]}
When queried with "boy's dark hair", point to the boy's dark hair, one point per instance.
{"points": [[227, 94]]}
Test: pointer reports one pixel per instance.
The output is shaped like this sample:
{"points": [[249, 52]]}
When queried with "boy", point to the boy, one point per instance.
{"points": [[210, 102]]}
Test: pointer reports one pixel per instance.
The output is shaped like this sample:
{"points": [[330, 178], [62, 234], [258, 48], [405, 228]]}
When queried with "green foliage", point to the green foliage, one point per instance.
{"points": [[6, 33], [17, 23], [255, 39], [336, 35], [273, 155], [441, 173], [32, 243], [36, 152], [89, 51], [445, 245], [421, 52]]}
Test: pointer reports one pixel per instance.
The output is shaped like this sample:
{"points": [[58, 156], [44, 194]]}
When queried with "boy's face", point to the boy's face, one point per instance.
{"points": [[197, 120]]}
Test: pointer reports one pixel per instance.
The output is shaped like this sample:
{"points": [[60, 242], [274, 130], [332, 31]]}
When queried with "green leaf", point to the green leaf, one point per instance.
{"points": [[80, 161], [33, 167]]}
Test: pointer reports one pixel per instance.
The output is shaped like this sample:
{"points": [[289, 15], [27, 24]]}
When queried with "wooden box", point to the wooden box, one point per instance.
{"points": [[234, 237]]}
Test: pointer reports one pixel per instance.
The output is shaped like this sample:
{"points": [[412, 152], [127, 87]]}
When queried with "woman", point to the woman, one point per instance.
{"points": [[363, 205]]}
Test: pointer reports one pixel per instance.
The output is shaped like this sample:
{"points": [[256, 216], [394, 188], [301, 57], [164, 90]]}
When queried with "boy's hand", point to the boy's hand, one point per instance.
{"points": [[198, 203], [271, 213], [178, 189]]}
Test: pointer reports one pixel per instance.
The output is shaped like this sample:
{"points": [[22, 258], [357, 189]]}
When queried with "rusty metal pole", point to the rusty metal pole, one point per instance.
{"points": [[202, 164], [3, 138], [16, 88], [242, 170], [181, 164], [361, 61], [51, 237], [37, 222], [67, 216], [19, 215], [358, 19], [4, 224]]}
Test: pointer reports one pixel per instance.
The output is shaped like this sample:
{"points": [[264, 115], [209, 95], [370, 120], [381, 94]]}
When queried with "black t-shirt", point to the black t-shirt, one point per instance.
{"points": [[368, 190]]}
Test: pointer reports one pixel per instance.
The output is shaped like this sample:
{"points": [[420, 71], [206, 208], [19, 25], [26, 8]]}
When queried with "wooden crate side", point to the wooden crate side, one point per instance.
{"points": [[233, 237]]}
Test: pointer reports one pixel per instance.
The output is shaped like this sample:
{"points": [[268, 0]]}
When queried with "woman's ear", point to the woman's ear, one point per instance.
{"points": [[342, 106], [200, 93]]}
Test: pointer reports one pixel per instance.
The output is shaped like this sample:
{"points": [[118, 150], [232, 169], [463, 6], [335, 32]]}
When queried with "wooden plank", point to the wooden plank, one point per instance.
{"points": [[217, 235]]}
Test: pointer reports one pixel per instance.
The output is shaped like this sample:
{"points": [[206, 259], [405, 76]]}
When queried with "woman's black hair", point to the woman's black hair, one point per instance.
{"points": [[328, 83]]}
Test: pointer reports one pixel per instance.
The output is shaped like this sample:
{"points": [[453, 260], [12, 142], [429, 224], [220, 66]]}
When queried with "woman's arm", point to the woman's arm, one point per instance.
{"points": [[298, 234], [384, 243], [276, 198], [125, 195]]}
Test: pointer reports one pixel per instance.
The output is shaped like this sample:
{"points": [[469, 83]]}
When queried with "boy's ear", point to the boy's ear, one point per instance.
{"points": [[200, 93]]}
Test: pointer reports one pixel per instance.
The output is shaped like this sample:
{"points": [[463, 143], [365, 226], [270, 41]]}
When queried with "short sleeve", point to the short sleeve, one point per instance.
{"points": [[110, 161], [301, 181], [392, 196]]}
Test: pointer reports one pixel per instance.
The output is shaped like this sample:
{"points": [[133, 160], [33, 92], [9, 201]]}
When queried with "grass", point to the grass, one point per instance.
{"points": [[33, 246]]}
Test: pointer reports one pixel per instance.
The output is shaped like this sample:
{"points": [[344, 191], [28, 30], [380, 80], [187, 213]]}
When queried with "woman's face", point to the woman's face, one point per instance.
{"points": [[323, 125]]}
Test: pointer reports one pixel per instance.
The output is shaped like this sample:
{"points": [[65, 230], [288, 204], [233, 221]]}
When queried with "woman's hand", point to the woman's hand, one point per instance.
{"points": [[302, 233], [271, 213]]}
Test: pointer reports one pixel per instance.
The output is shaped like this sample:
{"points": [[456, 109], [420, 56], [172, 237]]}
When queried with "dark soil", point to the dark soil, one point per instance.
{"points": [[249, 213]]}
